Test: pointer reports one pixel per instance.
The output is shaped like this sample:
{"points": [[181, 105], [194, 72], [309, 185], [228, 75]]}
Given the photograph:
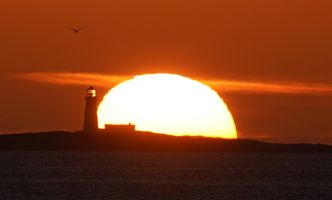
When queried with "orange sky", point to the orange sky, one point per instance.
{"points": [[278, 41]]}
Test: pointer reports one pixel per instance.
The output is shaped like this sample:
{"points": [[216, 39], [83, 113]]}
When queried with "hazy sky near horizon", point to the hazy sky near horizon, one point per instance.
{"points": [[269, 60]]}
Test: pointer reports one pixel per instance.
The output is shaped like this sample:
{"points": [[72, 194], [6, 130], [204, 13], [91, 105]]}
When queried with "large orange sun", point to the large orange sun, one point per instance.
{"points": [[167, 103]]}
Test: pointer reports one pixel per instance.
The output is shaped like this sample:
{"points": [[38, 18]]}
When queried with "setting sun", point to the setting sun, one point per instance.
{"points": [[167, 103]]}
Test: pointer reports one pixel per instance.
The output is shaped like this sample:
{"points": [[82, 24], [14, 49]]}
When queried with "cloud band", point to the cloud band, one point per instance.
{"points": [[107, 81]]}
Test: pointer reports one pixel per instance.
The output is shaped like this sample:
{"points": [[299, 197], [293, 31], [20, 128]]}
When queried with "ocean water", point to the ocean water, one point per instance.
{"points": [[151, 175]]}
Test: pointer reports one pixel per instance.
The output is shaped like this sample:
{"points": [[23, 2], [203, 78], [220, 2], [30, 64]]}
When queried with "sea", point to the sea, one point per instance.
{"points": [[163, 175]]}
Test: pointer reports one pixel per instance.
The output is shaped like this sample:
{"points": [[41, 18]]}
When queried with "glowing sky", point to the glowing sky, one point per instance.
{"points": [[270, 60]]}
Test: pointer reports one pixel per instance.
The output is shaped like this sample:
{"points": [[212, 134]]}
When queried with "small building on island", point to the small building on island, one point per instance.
{"points": [[120, 128]]}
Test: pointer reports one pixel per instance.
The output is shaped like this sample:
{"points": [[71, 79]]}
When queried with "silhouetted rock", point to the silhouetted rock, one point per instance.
{"points": [[144, 141]]}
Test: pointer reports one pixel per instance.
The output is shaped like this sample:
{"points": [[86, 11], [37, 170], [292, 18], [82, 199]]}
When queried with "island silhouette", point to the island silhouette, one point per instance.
{"points": [[124, 137], [145, 141]]}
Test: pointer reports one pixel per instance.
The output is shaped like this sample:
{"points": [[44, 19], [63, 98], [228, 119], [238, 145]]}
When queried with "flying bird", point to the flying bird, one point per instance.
{"points": [[77, 30]]}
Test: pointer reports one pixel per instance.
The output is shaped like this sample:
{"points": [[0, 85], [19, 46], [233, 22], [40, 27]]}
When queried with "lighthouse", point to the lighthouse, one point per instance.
{"points": [[90, 114]]}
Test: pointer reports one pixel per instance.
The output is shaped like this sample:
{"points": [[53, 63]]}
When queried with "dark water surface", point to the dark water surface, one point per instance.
{"points": [[139, 175]]}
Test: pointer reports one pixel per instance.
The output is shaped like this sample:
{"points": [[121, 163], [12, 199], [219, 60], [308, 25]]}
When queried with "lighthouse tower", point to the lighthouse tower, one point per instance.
{"points": [[90, 115]]}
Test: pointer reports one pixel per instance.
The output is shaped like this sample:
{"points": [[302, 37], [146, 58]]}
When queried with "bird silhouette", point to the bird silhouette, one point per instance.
{"points": [[77, 30]]}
